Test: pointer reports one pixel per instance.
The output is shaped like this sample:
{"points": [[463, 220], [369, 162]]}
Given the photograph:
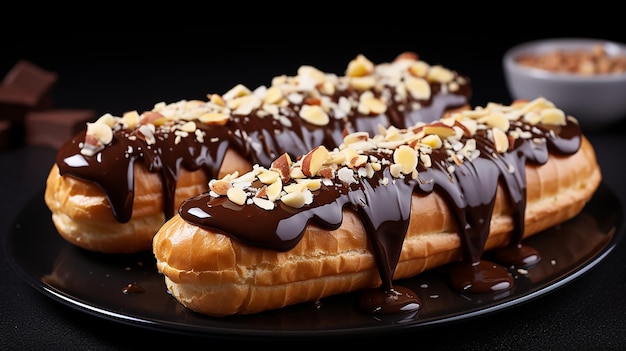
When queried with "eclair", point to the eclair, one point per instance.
{"points": [[379, 208], [115, 183]]}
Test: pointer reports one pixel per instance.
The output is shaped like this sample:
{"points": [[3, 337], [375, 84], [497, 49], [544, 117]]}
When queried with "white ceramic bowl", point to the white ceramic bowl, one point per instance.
{"points": [[596, 100]]}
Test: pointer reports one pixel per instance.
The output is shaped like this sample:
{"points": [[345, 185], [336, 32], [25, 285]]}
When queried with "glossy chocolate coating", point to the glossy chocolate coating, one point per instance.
{"points": [[259, 137], [469, 191]]}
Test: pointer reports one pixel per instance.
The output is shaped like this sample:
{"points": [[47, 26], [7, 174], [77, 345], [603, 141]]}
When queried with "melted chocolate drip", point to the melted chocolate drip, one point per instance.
{"points": [[479, 277], [470, 193], [390, 301], [258, 139], [133, 288], [113, 167]]}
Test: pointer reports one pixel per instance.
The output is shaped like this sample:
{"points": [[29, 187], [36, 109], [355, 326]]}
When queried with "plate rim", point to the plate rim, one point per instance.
{"points": [[78, 304]]}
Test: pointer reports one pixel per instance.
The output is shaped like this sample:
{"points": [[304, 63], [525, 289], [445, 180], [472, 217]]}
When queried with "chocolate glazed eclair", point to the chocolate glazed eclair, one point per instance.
{"points": [[382, 208], [114, 184]]}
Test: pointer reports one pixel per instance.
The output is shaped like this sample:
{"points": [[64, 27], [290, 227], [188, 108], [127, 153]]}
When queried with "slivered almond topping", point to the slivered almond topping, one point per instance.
{"points": [[537, 104], [553, 116], [236, 195], [146, 132], [396, 170], [349, 153], [497, 120], [327, 172], [294, 199], [107, 119], [313, 74], [312, 101], [262, 193], [468, 125], [220, 186], [244, 105], [314, 160], [407, 158], [432, 140], [273, 95], [188, 127], [151, 117], [91, 146], [396, 143], [310, 92], [309, 87], [282, 166], [216, 99], [268, 176], [355, 137], [294, 187], [100, 131], [231, 176], [454, 86], [418, 69], [440, 74], [426, 160], [336, 157], [130, 119], [238, 90], [314, 114], [273, 190], [393, 134], [262, 203], [327, 88], [371, 105], [247, 177], [359, 67], [532, 118], [296, 173], [361, 156], [214, 118], [362, 145], [418, 88], [311, 184], [440, 129], [357, 161], [500, 140], [362, 83]]}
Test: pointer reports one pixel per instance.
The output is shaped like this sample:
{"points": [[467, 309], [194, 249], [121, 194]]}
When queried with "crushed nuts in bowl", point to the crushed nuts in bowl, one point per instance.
{"points": [[586, 78]]}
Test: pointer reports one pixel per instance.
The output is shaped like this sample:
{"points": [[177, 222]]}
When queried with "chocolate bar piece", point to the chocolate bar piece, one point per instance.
{"points": [[30, 84], [54, 127], [26, 87]]}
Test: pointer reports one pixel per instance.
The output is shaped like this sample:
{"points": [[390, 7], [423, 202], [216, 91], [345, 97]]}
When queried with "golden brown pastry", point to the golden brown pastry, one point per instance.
{"points": [[381, 208], [116, 183]]}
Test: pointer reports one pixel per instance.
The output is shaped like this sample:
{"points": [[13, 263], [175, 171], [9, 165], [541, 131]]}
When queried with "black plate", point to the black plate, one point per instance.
{"points": [[97, 283]]}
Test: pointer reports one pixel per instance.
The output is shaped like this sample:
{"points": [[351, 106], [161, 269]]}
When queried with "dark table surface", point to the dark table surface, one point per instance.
{"points": [[588, 313]]}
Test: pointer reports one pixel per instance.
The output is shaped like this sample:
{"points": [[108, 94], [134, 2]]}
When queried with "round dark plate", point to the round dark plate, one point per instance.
{"points": [[99, 283]]}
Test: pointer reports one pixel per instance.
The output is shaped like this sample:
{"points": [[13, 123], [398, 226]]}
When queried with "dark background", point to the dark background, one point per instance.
{"points": [[116, 63], [134, 65]]}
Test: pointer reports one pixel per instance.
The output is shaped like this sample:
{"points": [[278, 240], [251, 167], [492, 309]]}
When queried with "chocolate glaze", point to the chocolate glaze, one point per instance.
{"points": [[113, 167], [266, 138], [469, 191], [258, 137]]}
